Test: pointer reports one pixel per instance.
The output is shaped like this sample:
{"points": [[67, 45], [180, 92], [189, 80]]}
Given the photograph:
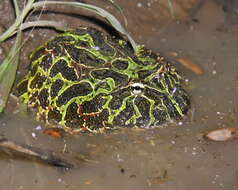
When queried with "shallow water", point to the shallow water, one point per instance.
{"points": [[174, 157]]}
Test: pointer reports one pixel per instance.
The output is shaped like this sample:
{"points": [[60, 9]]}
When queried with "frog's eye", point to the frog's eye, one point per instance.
{"points": [[137, 88]]}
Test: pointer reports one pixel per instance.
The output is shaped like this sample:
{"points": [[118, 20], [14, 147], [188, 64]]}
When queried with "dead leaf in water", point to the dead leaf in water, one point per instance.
{"points": [[173, 54], [88, 182], [157, 180], [223, 134], [54, 132], [191, 66]]}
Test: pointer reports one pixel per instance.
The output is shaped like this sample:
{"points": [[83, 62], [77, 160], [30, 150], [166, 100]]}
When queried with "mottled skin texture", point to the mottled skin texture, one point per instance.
{"points": [[86, 80]]}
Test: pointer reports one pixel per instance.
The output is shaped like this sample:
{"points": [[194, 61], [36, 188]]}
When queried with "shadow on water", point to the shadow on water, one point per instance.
{"points": [[175, 157]]}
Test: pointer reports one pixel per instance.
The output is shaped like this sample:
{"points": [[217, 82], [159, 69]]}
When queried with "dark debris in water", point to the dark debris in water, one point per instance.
{"points": [[25, 151]]}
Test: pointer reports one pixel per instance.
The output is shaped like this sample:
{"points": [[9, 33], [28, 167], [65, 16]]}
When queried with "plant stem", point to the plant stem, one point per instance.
{"points": [[8, 71], [17, 11], [17, 22], [43, 23]]}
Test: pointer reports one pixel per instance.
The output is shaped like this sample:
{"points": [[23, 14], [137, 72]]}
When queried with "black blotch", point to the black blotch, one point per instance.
{"points": [[61, 40], [93, 105], [43, 98], [157, 82], [154, 95], [120, 64], [72, 117], [124, 49], [55, 49], [145, 73], [46, 62], [80, 31], [56, 45], [22, 87], [118, 97], [61, 66], [143, 55], [37, 54], [124, 115], [174, 114], [160, 116], [119, 78], [97, 121], [143, 106], [103, 85], [54, 115], [76, 90], [137, 60], [168, 83], [83, 56], [83, 44], [55, 87], [182, 98], [38, 81], [33, 69], [175, 77], [99, 39]]}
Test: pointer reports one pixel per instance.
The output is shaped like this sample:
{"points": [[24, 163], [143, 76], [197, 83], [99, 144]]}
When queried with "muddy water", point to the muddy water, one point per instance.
{"points": [[174, 157]]}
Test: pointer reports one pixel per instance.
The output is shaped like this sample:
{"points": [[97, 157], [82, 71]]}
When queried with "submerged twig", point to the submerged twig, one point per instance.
{"points": [[27, 151]]}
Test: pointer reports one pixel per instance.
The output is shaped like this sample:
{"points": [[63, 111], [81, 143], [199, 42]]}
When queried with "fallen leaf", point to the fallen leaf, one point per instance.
{"points": [[191, 66], [173, 54], [223, 134], [54, 132], [88, 182]]}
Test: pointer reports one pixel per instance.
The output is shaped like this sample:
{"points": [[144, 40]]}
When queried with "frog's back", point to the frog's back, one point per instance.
{"points": [[86, 80]]}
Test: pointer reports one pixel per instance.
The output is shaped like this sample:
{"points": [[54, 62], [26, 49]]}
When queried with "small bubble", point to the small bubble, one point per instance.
{"points": [[194, 153], [59, 180], [139, 4], [96, 48], [214, 72], [38, 128], [174, 90], [33, 135]]}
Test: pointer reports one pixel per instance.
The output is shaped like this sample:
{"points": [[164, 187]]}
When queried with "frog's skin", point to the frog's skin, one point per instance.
{"points": [[86, 80]]}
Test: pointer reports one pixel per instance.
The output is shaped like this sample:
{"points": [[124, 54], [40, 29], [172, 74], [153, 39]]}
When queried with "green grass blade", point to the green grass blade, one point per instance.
{"points": [[171, 8], [8, 71], [19, 20], [103, 13], [17, 11], [117, 6], [43, 23]]}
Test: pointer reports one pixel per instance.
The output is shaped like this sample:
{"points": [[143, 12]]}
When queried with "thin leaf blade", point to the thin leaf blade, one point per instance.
{"points": [[8, 71]]}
